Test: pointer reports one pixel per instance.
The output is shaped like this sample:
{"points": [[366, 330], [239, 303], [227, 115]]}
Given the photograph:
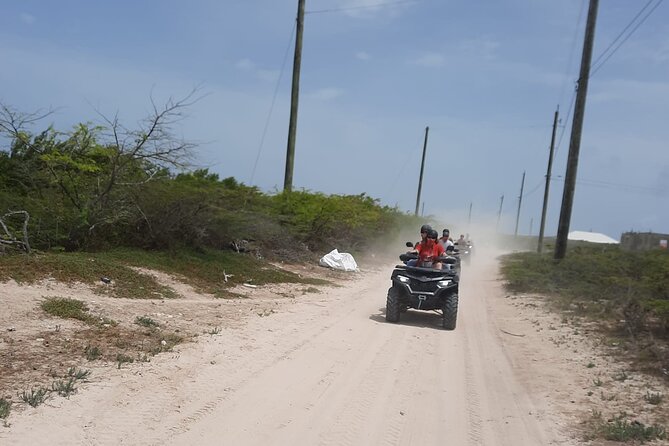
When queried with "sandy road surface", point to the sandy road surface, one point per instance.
{"points": [[326, 369]]}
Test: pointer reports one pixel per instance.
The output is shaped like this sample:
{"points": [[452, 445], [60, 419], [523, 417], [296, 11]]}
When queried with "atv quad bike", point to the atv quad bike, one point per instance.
{"points": [[424, 289]]}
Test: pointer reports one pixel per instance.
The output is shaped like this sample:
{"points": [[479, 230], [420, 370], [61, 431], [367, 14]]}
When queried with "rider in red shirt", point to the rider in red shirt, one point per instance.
{"points": [[430, 249]]}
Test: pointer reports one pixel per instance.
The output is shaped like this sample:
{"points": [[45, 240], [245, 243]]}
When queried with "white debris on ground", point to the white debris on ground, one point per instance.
{"points": [[342, 261]]}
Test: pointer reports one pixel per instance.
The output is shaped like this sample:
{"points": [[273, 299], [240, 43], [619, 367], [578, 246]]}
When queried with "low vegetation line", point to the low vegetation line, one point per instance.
{"points": [[625, 297]]}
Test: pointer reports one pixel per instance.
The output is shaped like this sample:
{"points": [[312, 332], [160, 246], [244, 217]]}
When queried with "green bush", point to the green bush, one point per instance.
{"points": [[633, 287], [86, 191]]}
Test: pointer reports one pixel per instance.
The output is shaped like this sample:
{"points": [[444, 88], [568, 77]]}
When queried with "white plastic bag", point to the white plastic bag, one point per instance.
{"points": [[342, 261]]}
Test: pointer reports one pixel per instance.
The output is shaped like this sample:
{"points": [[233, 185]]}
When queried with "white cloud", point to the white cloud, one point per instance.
{"points": [[361, 55], [263, 74], [648, 94], [372, 8], [430, 60], [245, 64], [481, 47], [327, 94], [26, 18]]}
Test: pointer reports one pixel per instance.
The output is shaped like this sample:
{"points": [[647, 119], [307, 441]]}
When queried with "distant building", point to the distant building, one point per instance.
{"points": [[591, 237], [643, 241]]}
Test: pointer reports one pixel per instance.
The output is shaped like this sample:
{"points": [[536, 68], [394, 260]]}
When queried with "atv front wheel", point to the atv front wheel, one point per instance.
{"points": [[450, 311], [393, 306]]}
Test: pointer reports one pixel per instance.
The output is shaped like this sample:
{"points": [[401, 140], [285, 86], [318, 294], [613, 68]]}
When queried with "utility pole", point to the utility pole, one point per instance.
{"points": [[576, 129], [499, 213], [520, 201], [294, 100], [540, 246], [422, 168], [469, 219]]}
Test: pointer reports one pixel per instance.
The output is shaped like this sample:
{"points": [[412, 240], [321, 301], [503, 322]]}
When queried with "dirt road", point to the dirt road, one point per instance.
{"points": [[324, 369]]}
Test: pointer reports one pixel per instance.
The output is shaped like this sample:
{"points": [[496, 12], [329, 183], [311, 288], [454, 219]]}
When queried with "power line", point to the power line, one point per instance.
{"points": [[353, 8], [566, 122], [271, 108], [617, 186], [570, 62], [570, 59], [534, 189], [598, 67], [598, 58]]}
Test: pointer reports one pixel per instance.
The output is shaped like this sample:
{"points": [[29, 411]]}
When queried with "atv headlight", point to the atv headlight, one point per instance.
{"points": [[443, 283], [403, 279]]}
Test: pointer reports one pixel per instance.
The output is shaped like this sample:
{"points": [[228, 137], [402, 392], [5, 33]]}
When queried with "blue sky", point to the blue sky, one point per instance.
{"points": [[485, 76]]}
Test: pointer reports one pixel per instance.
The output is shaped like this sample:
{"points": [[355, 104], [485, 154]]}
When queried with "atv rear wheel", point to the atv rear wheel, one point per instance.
{"points": [[393, 306], [450, 310]]}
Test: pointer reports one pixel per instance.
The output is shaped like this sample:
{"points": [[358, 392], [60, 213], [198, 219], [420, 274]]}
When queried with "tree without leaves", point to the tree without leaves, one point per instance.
{"points": [[94, 168]]}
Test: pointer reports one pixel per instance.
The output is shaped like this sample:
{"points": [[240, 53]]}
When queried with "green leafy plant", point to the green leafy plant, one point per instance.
{"points": [[92, 352], [35, 396], [621, 429], [64, 387], [78, 374], [67, 308], [5, 408], [123, 359], [654, 398], [146, 321]]}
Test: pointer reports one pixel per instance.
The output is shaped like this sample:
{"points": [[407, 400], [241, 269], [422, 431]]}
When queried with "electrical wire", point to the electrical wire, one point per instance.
{"points": [[596, 67], [566, 123], [271, 108], [620, 34], [616, 186], [602, 59], [571, 58], [534, 189], [354, 8], [570, 63]]}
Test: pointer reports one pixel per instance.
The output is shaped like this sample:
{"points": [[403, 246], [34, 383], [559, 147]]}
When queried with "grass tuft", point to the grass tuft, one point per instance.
{"points": [[92, 352], [621, 429], [146, 321], [654, 398], [64, 387], [67, 308], [123, 359], [35, 396], [78, 374], [5, 408]]}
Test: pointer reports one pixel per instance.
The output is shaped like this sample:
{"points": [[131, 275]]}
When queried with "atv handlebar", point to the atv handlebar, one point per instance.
{"points": [[443, 259]]}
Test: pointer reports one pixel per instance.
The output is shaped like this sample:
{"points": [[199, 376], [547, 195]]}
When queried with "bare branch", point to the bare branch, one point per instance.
{"points": [[13, 121], [11, 238]]}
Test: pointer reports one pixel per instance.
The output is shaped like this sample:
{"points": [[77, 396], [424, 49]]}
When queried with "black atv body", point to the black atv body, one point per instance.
{"points": [[424, 289]]}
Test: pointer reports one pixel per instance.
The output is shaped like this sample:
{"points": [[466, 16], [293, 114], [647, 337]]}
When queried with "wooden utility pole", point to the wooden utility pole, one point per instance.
{"points": [[499, 213], [576, 129], [520, 201], [548, 184], [422, 169], [294, 100]]}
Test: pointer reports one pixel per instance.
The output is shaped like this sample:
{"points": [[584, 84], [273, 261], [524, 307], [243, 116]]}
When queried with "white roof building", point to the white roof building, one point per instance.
{"points": [[592, 237]]}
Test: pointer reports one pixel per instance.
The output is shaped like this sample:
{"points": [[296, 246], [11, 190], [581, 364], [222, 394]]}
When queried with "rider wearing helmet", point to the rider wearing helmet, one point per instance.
{"points": [[429, 250], [446, 241], [423, 234], [424, 230]]}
